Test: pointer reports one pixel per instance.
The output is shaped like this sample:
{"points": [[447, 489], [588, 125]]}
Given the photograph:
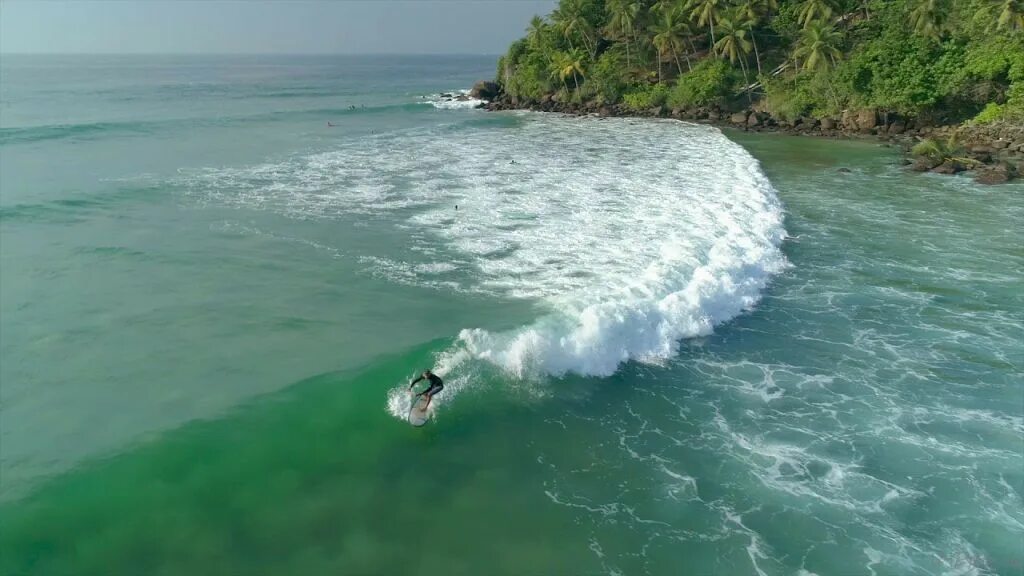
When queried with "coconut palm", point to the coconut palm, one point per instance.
{"points": [[749, 14], [733, 42], [1009, 14], [706, 13], [815, 11], [928, 18], [622, 21], [566, 64], [670, 38], [818, 47], [570, 18], [536, 31]]}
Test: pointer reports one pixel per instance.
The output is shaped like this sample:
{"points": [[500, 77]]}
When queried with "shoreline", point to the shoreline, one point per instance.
{"points": [[994, 154]]}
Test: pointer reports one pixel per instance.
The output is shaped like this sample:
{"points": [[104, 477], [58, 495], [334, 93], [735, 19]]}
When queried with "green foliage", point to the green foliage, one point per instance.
{"points": [[711, 83], [806, 94], [939, 151], [607, 77], [947, 59], [647, 97], [990, 113]]}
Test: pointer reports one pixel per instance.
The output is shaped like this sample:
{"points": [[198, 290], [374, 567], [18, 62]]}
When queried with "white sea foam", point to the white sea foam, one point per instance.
{"points": [[632, 235], [458, 100]]}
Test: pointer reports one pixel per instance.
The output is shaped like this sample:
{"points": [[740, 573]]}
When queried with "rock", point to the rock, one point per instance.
{"points": [[809, 123], [998, 174], [922, 164], [848, 120], [713, 116], [1001, 144], [949, 167], [753, 121], [897, 127], [867, 119], [828, 124], [485, 90], [844, 170], [738, 118]]}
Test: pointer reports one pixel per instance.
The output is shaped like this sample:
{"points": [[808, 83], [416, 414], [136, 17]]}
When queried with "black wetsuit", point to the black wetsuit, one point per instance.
{"points": [[436, 385]]}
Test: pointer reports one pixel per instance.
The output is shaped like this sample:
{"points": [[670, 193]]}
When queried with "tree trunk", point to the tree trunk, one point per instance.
{"points": [[757, 55], [678, 67], [712, 50], [576, 81], [659, 63], [746, 79], [688, 65]]}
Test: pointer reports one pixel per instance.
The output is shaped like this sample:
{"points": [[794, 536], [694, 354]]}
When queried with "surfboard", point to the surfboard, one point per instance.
{"points": [[419, 413]]}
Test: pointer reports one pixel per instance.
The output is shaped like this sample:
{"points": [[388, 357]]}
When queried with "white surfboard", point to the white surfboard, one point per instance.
{"points": [[419, 413]]}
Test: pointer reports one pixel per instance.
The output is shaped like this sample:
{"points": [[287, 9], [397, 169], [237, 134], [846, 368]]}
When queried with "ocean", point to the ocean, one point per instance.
{"points": [[666, 349]]}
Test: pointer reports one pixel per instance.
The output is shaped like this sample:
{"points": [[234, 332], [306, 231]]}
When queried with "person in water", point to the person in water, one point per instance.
{"points": [[436, 385]]}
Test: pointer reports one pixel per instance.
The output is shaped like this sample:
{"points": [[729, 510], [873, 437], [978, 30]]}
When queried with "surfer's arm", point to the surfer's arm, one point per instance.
{"points": [[413, 383]]}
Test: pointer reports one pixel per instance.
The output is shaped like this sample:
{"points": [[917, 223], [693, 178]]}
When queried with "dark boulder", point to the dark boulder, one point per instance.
{"points": [[485, 90], [922, 164], [828, 124], [738, 118], [949, 167], [997, 174]]}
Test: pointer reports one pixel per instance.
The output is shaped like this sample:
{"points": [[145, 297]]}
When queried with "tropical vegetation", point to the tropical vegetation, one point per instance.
{"points": [[948, 60]]}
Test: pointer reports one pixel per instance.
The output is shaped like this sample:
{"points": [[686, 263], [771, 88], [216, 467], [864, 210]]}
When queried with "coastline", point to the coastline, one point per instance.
{"points": [[994, 154]]}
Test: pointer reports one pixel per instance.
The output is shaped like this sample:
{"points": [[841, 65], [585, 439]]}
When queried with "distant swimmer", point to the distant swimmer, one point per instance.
{"points": [[436, 385], [512, 162], [329, 125], [456, 206]]}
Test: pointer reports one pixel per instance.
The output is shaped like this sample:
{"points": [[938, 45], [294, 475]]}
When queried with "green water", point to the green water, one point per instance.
{"points": [[206, 312]]}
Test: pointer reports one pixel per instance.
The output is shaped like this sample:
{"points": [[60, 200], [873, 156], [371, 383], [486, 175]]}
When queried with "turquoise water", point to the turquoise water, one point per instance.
{"points": [[667, 350]]}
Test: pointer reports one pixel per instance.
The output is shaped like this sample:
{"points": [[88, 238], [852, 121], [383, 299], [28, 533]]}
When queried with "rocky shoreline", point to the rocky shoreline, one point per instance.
{"points": [[993, 152]]}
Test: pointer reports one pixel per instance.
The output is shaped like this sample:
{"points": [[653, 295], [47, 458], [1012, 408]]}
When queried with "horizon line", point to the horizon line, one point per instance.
{"points": [[8, 53]]}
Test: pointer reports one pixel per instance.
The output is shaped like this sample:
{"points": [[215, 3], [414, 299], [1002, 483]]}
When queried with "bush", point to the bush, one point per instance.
{"points": [[990, 113], [647, 97], [710, 83], [607, 77], [807, 94]]}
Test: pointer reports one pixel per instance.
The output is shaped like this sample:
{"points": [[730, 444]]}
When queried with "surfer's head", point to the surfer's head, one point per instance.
{"points": [[426, 373]]}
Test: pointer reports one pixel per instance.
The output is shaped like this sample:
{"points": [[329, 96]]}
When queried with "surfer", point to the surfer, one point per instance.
{"points": [[329, 125], [436, 385]]}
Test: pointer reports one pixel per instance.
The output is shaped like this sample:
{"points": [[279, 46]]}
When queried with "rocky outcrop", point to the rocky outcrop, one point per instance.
{"points": [[485, 90], [994, 151], [996, 174]]}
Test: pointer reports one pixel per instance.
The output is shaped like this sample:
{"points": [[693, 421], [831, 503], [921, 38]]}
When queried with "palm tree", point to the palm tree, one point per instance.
{"points": [[670, 37], [815, 11], [749, 15], [536, 31], [622, 21], [570, 18], [928, 17], [570, 64], [706, 13], [1010, 14], [732, 42], [818, 47]]}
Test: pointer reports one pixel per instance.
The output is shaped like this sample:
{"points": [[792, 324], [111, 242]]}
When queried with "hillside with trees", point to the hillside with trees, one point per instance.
{"points": [[932, 62]]}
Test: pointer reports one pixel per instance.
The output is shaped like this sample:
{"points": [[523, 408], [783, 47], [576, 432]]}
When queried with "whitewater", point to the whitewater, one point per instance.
{"points": [[635, 235]]}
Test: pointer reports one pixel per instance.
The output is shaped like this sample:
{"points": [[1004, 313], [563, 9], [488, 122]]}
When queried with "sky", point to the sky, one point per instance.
{"points": [[265, 26]]}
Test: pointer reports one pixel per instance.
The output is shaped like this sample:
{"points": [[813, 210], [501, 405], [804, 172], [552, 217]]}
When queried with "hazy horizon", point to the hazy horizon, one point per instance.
{"points": [[263, 28]]}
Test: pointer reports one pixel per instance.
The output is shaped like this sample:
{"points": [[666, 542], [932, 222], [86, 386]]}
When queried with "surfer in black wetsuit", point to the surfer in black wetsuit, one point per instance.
{"points": [[436, 385]]}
